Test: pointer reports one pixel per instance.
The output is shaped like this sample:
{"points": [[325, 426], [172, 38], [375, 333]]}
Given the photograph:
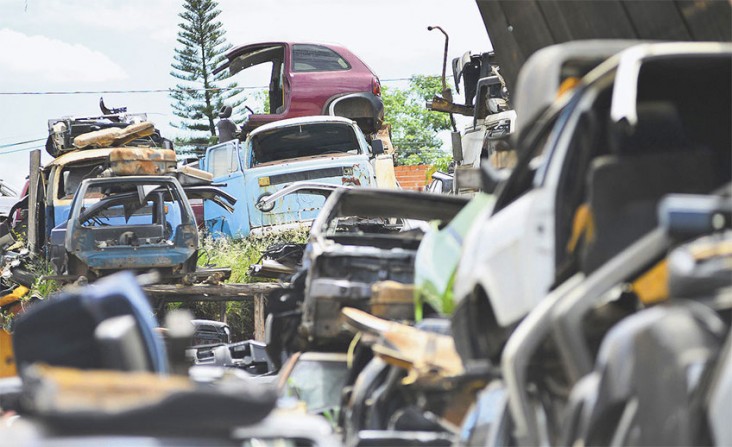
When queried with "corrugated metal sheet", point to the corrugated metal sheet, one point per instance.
{"points": [[518, 28]]}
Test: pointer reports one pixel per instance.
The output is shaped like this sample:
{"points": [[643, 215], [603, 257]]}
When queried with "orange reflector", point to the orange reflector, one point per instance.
{"points": [[263, 181]]}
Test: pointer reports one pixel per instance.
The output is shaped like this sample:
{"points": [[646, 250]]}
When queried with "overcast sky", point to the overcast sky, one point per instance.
{"points": [[82, 45]]}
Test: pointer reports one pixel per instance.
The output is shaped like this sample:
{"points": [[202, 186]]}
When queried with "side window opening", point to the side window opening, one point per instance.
{"points": [[71, 177], [307, 58], [589, 141], [522, 177], [263, 66], [223, 161]]}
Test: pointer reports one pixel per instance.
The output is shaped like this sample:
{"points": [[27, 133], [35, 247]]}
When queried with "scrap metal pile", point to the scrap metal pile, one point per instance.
{"points": [[582, 297]]}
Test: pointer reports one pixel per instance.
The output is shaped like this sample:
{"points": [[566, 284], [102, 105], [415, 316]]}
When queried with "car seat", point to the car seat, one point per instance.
{"points": [[624, 188]]}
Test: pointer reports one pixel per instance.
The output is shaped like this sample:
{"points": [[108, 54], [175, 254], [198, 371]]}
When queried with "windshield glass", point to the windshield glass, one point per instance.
{"points": [[305, 140]]}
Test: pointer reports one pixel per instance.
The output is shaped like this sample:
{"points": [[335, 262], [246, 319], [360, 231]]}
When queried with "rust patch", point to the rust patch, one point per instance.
{"points": [[141, 161]]}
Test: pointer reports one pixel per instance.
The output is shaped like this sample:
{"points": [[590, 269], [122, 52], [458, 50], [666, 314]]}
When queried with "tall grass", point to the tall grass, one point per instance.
{"points": [[238, 255]]}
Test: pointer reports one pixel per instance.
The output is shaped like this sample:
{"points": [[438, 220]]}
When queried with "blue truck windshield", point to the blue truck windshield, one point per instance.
{"points": [[303, 141]]}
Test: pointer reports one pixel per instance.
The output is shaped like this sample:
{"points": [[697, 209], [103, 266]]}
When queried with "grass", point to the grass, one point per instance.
{"points": [[238, 254]]}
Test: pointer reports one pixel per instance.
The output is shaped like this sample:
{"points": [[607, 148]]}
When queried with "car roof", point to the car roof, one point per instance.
{"points": [[132, 179], [368, 201], [238, 49], [80, 155], [539, 79]]}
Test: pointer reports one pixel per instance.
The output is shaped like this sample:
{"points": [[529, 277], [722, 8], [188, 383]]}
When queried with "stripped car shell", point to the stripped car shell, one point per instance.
{"points": [[363, 236], [158, 231]]}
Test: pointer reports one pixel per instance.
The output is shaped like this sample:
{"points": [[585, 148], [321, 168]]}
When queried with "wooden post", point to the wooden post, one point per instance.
{"points": [[259, 303], [222, 311], [172, 293], [33, 206]]}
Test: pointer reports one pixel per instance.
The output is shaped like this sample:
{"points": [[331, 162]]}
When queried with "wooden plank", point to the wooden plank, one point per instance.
{"points": [[173, 293]]}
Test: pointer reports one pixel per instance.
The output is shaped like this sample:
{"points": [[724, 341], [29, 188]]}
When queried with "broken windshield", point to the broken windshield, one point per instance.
{"points": [[142, 209], [305, 140]]}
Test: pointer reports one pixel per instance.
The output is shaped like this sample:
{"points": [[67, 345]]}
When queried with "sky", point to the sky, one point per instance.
{"points": [[112, 45]]}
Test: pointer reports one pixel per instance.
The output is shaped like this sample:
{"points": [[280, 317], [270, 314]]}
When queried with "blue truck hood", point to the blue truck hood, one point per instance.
{"points": [[352, 170]]}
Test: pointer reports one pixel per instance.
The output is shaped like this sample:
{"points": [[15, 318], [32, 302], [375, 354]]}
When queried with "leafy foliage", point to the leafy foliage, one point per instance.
{"points": [[199, 96], [238, 254], [414, 128]]}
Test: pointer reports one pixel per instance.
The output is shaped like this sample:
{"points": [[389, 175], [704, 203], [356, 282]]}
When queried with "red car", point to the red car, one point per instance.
{"points": [[312, 79]]}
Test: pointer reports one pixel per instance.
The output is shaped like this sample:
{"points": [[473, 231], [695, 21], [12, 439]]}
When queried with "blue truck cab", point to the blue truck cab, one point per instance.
{"points": [[324, 149]]}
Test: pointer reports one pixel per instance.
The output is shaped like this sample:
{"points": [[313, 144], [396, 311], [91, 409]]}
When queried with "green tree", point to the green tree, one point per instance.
{"points": [[414, 128], [199, 97]]}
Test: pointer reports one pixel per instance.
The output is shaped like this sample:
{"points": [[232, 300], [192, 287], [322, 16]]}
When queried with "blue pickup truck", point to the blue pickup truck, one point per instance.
{"points": [[324, 149]]}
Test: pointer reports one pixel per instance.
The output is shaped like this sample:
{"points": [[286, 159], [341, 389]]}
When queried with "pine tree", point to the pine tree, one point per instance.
{"points": [[197, 100]]}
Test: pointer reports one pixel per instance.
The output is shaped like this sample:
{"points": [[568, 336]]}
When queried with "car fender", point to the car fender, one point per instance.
{"points": [[493, 261]]}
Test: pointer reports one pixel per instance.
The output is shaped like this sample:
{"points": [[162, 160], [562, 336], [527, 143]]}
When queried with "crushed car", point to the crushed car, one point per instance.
{"points": [[134, 206], [362, 239]]}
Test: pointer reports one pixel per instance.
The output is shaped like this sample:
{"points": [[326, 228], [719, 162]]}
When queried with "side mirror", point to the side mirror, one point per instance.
{"points": [[490, 177], [377, 146]]}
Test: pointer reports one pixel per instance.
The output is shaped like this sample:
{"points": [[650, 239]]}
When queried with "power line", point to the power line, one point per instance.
{"points": [[166, 90], [21, 142], [97, 92]]}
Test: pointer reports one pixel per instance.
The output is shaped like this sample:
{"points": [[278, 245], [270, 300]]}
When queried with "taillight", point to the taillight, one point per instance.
{"points": [[375, 87]]}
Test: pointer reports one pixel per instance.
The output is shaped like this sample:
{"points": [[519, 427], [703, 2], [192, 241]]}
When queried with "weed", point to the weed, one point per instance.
{"points": [[238, 254]]}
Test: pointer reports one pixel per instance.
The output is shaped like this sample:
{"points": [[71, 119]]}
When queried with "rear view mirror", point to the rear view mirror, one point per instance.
{"points": [[377, 146], [688, 216]]}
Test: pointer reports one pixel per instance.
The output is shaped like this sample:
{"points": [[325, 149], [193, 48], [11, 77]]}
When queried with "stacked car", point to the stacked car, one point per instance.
{"points": [[583, 298]]}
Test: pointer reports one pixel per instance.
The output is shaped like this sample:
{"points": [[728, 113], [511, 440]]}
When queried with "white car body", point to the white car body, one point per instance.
{"points": [[510, 257]]}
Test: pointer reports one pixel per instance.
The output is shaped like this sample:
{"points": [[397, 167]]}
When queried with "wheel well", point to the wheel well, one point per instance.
{"points": [[488, 336]]}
